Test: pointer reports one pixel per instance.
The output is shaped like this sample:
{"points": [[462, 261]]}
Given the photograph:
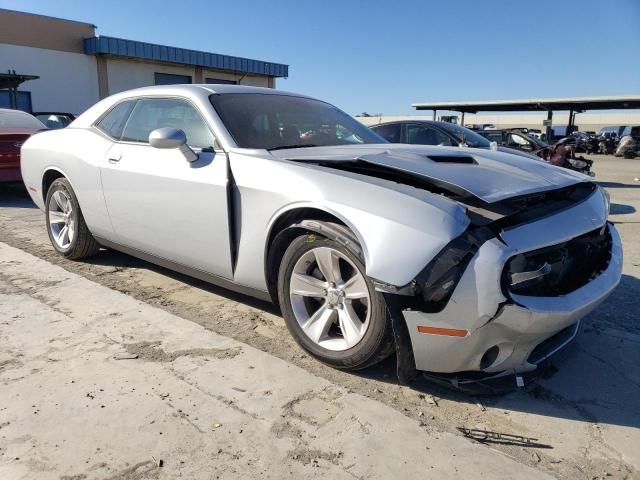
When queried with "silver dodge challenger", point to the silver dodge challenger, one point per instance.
{"points": [[465, 261]]}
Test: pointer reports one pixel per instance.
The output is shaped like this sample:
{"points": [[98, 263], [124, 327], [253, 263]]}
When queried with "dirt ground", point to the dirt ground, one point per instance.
{"points": [[582, 421]]}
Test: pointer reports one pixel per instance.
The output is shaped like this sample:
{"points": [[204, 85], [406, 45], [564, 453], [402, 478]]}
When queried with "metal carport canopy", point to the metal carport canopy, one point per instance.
{"points": [[536, 104]]}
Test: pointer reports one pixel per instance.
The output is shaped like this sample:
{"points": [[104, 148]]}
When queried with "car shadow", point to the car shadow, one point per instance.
{"points": [[596, 379], [113, 258], [618, 185], [621, 209]]}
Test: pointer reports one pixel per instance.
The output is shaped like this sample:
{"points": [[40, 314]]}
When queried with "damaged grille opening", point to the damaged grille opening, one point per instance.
{"points": [[559, 269], [552, 344]]}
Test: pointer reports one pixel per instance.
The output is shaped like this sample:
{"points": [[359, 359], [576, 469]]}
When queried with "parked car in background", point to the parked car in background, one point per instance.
{"points": [[632, 130], [55, 120], [518, 140], [427, 132], [534, 132], [627, 147], [479, 261], [15, 127]]}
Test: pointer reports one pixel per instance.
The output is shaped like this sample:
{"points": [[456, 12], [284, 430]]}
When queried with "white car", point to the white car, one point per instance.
{"points": [[478, 261]]}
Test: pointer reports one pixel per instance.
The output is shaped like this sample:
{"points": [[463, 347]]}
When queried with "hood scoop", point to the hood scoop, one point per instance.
{"points": [[487, 175], [459, 159]]}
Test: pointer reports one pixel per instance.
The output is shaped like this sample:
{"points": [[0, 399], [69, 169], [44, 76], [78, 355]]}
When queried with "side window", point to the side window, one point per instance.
{"points": [[391, 133], [424, 135], [152, 113], [113, 122]]}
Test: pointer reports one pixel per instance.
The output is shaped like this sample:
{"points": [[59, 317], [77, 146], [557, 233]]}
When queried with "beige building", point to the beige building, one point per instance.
{"points": [[76, 68]]}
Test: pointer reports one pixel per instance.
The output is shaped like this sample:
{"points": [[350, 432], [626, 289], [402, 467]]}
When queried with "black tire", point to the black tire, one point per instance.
{"points": [[377, 342], [82, 245]]}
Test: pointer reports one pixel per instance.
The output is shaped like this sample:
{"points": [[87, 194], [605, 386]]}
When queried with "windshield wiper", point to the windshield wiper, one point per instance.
{"points": [[284, 147]]}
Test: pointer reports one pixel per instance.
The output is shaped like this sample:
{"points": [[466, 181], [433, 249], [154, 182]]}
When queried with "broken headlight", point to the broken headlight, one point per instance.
{"points": [[437, 281]]}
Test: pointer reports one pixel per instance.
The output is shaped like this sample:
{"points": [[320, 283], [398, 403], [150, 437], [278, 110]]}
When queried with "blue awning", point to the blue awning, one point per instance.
{"points": [[120, 47]]}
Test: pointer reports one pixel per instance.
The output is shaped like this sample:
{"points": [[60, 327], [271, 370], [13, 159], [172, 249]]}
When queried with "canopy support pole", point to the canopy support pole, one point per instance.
{"points": [[548, 132]]}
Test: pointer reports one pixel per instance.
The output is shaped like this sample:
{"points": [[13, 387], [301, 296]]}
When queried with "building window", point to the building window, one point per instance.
{"points": [[219, 80], [171, 79]]}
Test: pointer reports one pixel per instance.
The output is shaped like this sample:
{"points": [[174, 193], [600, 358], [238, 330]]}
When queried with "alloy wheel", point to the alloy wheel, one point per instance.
{"points": [[330, 298], [61, 219]]}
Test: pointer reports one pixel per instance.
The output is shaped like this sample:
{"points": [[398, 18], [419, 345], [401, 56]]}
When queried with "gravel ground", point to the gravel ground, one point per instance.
{"points": [[581, 422]]}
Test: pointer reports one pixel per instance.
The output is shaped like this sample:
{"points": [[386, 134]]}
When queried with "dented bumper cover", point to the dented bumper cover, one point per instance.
{"points": [[485, 327]]}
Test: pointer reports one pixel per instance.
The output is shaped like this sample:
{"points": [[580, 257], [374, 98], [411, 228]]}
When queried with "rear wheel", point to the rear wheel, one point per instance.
{"points": [[330, 306], [66, 227]]}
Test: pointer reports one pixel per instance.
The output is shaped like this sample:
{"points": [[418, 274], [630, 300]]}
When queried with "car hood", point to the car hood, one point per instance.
{"points": [[489, 175], [520, 153]]}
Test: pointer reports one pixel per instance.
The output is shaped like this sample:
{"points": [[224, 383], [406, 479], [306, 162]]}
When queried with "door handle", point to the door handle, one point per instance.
{"points": [[115, 159]]}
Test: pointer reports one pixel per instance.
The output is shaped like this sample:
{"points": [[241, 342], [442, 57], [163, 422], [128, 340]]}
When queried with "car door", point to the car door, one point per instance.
{"points": [[161, 204]]}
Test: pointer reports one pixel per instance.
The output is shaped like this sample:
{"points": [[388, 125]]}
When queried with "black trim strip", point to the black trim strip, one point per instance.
{"points": [[233, 210]]}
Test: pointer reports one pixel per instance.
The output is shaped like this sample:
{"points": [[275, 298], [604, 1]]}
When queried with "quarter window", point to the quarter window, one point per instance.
{"points": [[391, 132], [152, 113], [113, 122], [422, 135]]}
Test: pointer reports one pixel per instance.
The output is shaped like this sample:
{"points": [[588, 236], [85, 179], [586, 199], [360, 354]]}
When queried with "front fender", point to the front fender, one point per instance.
{"points": [[400, 228]]}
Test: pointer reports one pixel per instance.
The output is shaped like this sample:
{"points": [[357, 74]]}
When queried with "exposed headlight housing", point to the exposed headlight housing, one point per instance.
{"points": [[437, 281], [607, 200]]}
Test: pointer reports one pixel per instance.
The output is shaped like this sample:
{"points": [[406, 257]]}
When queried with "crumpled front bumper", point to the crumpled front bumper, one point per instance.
{"points": [[515, 326]]}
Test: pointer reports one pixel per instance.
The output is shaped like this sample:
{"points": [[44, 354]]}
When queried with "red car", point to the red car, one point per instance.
{"points": [[15, 127]]}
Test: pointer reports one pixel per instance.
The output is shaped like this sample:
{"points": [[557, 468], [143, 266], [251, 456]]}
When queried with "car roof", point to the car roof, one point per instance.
{"points": [[430, 122], [208, 88], [200, 92], [11, 110]]}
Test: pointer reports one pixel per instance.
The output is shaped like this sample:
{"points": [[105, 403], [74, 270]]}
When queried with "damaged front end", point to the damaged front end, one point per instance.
{"points": [[486, 312], [519, 301]]}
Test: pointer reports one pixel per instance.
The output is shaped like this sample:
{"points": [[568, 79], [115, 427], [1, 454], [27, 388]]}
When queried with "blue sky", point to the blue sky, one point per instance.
{"points": [[381, 56]]}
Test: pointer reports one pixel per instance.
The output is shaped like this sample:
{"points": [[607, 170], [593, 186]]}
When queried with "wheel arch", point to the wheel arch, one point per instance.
{"points": [[50, 175], [289, 224]]}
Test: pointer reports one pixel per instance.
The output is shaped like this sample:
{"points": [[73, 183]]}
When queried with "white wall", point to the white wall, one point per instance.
{"points": [[68, 81], [251, 80], [127, 74]]}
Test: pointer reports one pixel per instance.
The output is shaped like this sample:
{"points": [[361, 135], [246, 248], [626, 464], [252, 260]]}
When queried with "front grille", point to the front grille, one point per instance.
{"points": [[559, 269]]}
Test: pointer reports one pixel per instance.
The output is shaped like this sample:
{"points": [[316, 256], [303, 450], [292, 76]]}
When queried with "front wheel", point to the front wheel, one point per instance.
{"points": [[330, 306], [66, 227]]}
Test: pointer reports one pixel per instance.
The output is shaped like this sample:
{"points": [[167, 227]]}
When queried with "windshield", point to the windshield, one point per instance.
{"points": [[17, 119], [258, 120], [54, 120], [471, 138]]}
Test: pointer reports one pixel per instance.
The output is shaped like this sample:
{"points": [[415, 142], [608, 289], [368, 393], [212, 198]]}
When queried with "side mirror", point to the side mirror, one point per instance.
{"points": [[168, 137], [493, 146]]}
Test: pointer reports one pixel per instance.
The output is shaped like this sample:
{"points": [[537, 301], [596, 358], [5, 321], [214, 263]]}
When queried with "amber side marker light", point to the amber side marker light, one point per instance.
{"points": [[448, 332]]}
